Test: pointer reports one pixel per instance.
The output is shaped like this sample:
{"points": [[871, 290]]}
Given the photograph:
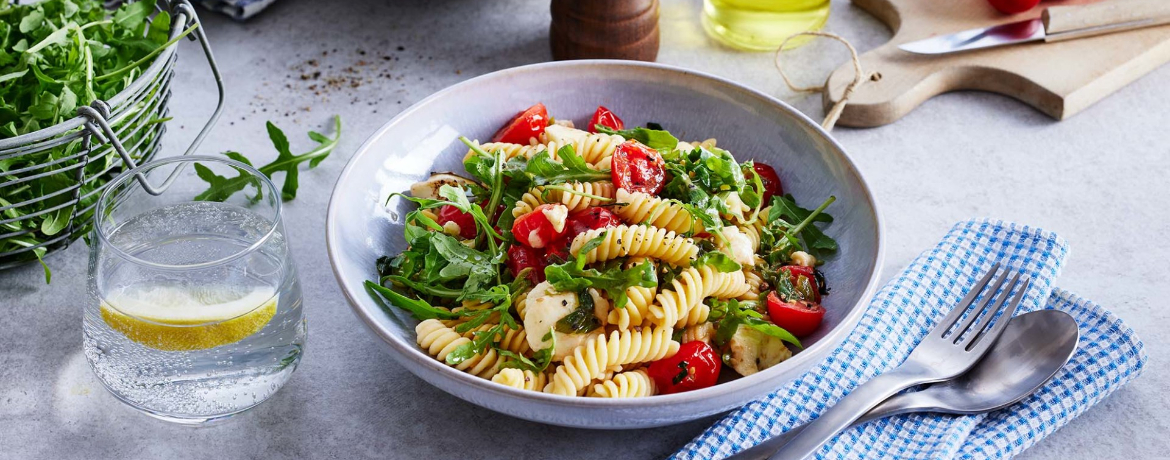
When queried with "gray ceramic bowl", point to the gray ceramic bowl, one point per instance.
{"points": [[692, 105]]}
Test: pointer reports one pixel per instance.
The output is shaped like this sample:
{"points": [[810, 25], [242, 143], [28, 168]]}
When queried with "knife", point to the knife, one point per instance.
{"points": [[1057, 23]]}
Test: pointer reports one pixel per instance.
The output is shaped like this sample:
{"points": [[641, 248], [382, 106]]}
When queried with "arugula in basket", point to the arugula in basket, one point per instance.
{"points": [[56, 56]]}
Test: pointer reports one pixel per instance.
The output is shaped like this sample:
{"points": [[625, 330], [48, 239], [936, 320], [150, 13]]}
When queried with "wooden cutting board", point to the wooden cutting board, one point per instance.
{"points": [[1060, 79]]}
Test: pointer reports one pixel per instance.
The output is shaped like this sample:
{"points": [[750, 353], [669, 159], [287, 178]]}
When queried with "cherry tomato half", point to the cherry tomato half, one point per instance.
{"points": [[527, 125], [796, 272], [1013, 6], [536, 229], [589, 219], [770, 180], [638, 168], [800, 318], [521, 257], [695, 366], [605, 118], [466, 223], [558, 252]]}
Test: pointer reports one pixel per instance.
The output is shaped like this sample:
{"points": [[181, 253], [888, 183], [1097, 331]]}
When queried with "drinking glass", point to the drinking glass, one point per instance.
{"points": [[194, 309], [763, 25]]}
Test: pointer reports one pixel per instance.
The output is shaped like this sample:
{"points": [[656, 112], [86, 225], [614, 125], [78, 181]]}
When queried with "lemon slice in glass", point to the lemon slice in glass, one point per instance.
{"points": [[178, 318]]}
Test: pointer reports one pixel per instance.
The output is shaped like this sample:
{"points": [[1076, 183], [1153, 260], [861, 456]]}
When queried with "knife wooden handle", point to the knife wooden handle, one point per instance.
{"points": [[1108, 16]]}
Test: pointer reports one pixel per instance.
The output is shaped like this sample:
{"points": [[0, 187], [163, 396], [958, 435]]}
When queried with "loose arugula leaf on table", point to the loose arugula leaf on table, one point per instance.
{"points": [[221, 188]]}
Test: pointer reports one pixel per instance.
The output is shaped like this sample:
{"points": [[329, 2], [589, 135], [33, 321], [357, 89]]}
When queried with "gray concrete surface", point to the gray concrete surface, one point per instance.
{"points": [[1099, 179]]}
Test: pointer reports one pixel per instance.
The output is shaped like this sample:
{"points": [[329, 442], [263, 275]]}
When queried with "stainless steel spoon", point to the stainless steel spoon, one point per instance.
{"points": [[1033, 347]]}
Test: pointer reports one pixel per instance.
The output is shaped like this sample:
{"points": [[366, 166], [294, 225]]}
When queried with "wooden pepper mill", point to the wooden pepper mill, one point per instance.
{"points": [[604, 29]]}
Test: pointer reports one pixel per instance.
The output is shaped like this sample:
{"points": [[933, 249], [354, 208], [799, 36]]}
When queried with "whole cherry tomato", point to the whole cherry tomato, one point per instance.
{"points": [[695, 366], [605, 118], [796, 272], [527, 125], [538, 228], [521, 257], [466, 223], [638, 168], [589, 219], [800, 317], [770, 180], [1013, 6]]}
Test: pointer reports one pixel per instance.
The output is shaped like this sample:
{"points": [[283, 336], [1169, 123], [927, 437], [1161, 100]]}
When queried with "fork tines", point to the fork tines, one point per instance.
{"points": [[969, 337]]}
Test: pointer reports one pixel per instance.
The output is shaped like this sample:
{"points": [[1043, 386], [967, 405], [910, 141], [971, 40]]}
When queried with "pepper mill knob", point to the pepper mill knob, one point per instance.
{"points": [[604, 29]]}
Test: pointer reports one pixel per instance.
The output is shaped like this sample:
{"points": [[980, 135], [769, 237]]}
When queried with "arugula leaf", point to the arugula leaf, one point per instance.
{"points": [[419, 309], [572, 276], [544, 170], [653, 138], [221, 188], [719, 260], [131, 15], [785, 210], [733, 313], [539, 362]]}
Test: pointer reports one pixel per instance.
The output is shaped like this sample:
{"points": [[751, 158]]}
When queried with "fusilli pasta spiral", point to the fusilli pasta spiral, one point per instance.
{"points": [[754, 282], [641, 208], [637, 241], [590, 360], [630, 384], [595, 148], [524, 380], [702, 332], [682, 305], [440, 341], [573, 201]]}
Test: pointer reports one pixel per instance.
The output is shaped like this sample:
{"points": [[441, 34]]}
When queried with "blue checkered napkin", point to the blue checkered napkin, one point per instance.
{"points": [[1108, 356]]}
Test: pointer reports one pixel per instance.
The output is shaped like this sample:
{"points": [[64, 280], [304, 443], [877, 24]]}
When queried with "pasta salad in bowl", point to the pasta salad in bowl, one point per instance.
{"points": [[607, 262], [576, 265]]}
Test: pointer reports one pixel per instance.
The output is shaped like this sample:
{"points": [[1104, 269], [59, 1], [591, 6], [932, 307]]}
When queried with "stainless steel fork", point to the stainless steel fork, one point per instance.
{"points": [[950, 349]]}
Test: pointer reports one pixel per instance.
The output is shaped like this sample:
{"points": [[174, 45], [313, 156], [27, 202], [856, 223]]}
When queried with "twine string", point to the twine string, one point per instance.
{"points": [[859, 76]]}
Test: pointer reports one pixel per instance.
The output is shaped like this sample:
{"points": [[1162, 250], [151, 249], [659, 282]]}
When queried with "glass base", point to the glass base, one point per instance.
{"points": [[191, 421]]}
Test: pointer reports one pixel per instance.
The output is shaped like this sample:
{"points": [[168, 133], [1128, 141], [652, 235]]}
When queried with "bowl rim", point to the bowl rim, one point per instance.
{"points": [[803, 360]]}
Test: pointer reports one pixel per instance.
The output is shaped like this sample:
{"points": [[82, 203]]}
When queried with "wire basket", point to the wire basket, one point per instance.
{"points": [[83, 154]]}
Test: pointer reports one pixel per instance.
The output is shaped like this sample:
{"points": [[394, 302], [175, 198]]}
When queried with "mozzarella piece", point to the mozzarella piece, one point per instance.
{"points": [[534, 239], [429, 188], [753, 351], [564, 134], [556, 215], [738, 246], [600, 306], [545, 308]]}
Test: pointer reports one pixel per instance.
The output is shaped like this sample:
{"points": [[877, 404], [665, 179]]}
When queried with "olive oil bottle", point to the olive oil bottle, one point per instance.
{"points": [[763, 24]]}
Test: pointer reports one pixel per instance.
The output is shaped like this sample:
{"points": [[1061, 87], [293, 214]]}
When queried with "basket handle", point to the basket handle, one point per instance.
{"points": [[98, 112]]}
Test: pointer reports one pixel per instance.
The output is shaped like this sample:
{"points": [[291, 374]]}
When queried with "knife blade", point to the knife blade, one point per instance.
{"points": [[1057, 23], [1030, 30]]}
